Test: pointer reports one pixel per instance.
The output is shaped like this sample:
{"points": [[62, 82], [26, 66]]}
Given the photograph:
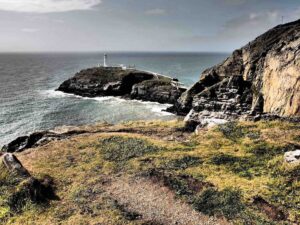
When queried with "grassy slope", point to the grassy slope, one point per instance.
{"points": [[218, 172]]}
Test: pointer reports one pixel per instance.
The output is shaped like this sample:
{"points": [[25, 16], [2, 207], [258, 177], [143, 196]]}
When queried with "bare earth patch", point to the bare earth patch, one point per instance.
{"points": [[155, 202]]}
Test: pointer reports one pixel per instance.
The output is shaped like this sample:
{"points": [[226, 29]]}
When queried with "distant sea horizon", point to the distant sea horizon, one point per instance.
{"points": [[113, 52], [29, 102]]}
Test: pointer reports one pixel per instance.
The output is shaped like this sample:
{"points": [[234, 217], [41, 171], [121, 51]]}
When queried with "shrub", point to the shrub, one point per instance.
{"points": [[226, 202], [264, 149], [121, 149], [183, 163], [222, 159], [253, 135], [231, 130], [243, 166]]}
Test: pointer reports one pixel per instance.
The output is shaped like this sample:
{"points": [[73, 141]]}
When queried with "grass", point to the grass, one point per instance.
{"points": [[119, 149], [219, 172], [227, 202]]}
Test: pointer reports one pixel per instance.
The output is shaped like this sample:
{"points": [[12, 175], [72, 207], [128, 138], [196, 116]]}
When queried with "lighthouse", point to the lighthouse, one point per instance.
{"points": [[105, 60]]}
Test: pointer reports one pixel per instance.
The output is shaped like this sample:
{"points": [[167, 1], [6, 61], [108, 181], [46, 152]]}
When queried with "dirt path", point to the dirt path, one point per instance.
{"points": [[155, 203]]}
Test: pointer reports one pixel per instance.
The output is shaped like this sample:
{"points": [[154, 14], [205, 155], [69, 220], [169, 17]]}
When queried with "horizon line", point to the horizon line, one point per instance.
{"points": [[102, 52]]}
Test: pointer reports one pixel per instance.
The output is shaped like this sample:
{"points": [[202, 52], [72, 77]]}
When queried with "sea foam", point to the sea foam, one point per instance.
{"points": [[153, 106]]}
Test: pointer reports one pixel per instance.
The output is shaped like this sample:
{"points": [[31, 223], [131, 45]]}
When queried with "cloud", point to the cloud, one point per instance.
{"points": [[234, 2], [47, 6], [240, 30], [29, 30], [251, 25], [156, 11]]}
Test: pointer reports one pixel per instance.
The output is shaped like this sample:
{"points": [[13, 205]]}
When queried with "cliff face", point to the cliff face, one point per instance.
{"points": [[261, 77]]}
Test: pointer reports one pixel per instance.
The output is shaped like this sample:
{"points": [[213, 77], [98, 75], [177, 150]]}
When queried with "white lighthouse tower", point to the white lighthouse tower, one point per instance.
{"points": [[105, 64]]}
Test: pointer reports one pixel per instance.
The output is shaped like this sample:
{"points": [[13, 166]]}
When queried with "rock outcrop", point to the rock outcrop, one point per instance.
{"points": [[261, 78], [13, 165], [127, 83], [26, 187], [38, 139]]}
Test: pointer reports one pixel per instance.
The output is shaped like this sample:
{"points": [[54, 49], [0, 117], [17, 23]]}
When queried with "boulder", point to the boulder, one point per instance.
{"points": [[30, 141], [292, 156], [161, 91], [26, 187], [40, 138], [13, 165]]}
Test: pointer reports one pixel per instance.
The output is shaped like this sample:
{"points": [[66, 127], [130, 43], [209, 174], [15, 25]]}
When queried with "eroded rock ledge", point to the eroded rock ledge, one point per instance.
{"points": [[260, 80], [127, 83]]}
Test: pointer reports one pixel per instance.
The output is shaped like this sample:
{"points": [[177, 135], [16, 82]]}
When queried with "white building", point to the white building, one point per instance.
{"points": [[105, 64]]}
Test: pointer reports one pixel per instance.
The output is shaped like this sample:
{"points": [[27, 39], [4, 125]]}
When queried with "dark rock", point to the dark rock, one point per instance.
{"points": [[104, 81], [128, 83], [30, 141], [161, 91], [37, 139]]}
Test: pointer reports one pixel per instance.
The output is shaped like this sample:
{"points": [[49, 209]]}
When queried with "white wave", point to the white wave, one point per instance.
{"points": [[153, 106], [55, 94]]}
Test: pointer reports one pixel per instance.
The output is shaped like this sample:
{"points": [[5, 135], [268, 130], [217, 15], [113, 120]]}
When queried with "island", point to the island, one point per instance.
{"points": [[124, 82]]}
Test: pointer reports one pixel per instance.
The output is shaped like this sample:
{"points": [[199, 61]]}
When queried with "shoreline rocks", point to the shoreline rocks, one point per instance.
{"points": [[37, 139]]}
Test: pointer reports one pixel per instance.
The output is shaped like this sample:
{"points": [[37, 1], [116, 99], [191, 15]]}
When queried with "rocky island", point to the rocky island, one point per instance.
{"points": [[125, 83]]}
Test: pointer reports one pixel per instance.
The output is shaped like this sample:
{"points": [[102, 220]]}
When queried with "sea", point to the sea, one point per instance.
{"points": [[29, 102]]}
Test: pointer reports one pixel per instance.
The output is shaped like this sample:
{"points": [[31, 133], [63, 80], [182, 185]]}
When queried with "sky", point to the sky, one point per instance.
{"points": [[138, 25]]}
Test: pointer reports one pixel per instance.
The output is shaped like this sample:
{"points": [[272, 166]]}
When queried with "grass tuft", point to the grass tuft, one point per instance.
{"points": [[227, 203], [121, 149]]}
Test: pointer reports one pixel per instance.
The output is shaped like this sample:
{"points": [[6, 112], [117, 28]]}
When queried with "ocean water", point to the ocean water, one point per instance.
{"points": [[28, 102]]}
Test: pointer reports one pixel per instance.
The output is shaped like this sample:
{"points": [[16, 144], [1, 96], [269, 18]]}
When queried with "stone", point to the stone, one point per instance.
{"points": [[292, 156], [40, 138], [13, 165], [25, 142], [37, 190]]}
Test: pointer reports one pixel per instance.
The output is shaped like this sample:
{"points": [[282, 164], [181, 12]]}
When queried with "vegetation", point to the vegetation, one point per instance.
{"points": [[235, 171]]}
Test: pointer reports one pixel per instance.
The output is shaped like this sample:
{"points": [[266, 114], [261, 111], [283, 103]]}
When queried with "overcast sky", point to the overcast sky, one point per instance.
{"points": [[138, 25]]}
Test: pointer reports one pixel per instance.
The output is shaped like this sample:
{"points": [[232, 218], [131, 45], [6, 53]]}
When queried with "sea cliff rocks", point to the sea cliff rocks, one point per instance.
{"points": [[260, 79], [38, 139], [127, 83]]}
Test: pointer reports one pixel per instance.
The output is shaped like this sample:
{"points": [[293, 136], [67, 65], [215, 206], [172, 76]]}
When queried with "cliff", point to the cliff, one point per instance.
{"points": [[260, 78], [127, 83]]}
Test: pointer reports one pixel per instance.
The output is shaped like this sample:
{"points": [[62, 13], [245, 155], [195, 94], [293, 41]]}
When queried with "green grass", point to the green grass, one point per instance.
{"points": [[227, 202], [121, 149], [218, 172]]}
